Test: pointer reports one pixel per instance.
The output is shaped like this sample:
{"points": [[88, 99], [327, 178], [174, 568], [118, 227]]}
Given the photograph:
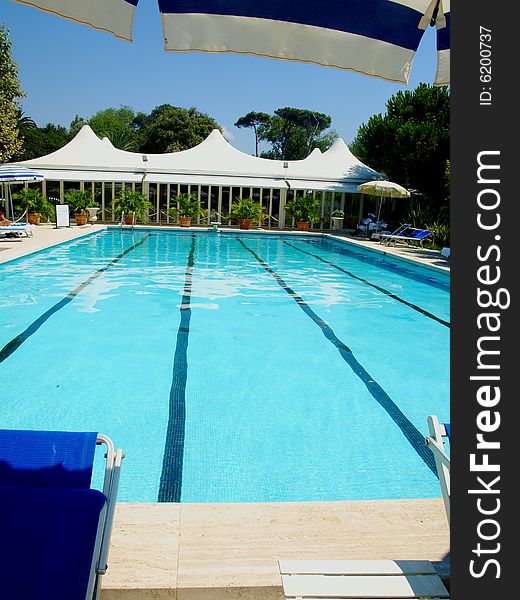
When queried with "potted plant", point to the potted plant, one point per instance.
{"points": [[35, 203], [304, 210], [80, 201], [132, 204], [244, 210], [187, 208], [337, 217]]}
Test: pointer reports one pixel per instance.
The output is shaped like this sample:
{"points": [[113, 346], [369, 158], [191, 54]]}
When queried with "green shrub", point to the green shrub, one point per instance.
{"points": [[79, 201], [187, 206], [303, 208], [129, 202], [246, 208], [33, 201]]}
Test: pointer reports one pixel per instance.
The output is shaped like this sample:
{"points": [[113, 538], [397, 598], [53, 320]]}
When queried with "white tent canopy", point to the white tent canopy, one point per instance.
{"points": [[212, 162]]}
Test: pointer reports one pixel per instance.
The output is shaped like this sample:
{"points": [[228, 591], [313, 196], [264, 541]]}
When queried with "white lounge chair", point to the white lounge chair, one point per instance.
{"points": [[344, 579], [435, 442], [17, 230]]}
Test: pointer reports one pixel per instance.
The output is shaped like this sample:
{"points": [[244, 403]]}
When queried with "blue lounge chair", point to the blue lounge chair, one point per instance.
{"points": [[55, 527], [435, 442], [407, 234]]}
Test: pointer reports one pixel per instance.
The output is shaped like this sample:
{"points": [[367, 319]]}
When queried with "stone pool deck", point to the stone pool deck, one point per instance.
{"points": [[230, 551]]}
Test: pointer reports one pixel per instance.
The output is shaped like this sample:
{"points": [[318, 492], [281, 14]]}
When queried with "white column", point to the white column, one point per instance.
{"points": [[103, 200], [199, 193], [168, 193], [219, 206], [158, 203], [270, 207], [281, 213], [322, 209], [113, 198], [208, 219]]}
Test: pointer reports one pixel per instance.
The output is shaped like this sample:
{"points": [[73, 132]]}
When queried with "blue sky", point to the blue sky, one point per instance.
{"points": [[68, 69]]}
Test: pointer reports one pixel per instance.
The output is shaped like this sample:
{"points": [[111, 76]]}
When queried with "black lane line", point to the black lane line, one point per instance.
{"points": [[377, 287], [411, 433], [16, 342], [170, 486]]}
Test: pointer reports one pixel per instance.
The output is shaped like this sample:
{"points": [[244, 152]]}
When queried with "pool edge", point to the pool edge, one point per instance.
{"points": [[230, 550]]}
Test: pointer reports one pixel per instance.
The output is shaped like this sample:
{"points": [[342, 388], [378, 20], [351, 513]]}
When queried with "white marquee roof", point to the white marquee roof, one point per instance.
{"points": [[212, 162]]}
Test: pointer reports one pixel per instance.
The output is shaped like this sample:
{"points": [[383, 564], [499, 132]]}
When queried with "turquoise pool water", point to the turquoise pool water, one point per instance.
{"points": [[232, 368]]}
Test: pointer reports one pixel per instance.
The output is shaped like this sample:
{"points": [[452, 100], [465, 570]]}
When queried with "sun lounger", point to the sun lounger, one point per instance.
{"points": [[55, 527], [16, 230], [360, 579], [435, 442], [407, 234]]}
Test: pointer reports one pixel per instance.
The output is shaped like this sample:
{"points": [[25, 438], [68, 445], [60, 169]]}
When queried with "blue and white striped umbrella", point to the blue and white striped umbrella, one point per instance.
{"points": [[14, 174], [374, 37], [18, 174]]}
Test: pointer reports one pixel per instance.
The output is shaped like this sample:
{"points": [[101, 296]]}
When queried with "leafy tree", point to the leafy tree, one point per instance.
{"points": [[411, 142], [253, 120], [10, 92], [75, 125], [171, 128], [40, 141], [118, 125], [293, 133]]}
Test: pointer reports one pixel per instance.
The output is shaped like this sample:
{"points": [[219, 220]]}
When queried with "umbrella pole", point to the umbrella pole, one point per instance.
{"points": [[379, 208], [9, 202]]}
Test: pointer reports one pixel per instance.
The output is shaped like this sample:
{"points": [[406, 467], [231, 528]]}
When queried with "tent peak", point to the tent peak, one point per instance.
{"points": [[86, 131], [338, 145]]}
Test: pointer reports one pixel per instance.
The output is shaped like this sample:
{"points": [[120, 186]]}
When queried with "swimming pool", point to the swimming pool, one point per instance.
{"points": [[229, 367]]}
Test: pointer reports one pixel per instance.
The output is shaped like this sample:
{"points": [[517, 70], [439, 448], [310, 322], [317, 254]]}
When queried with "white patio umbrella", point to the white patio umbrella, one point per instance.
{"points": [[15, 174], [383, 189], [374, 37]]}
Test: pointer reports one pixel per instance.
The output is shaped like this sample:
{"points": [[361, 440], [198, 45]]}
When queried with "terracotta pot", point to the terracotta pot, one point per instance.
{"points": [[302, 225], [33, 218], [245, 223], [129, 219], [184, 221], [81, 219]]}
